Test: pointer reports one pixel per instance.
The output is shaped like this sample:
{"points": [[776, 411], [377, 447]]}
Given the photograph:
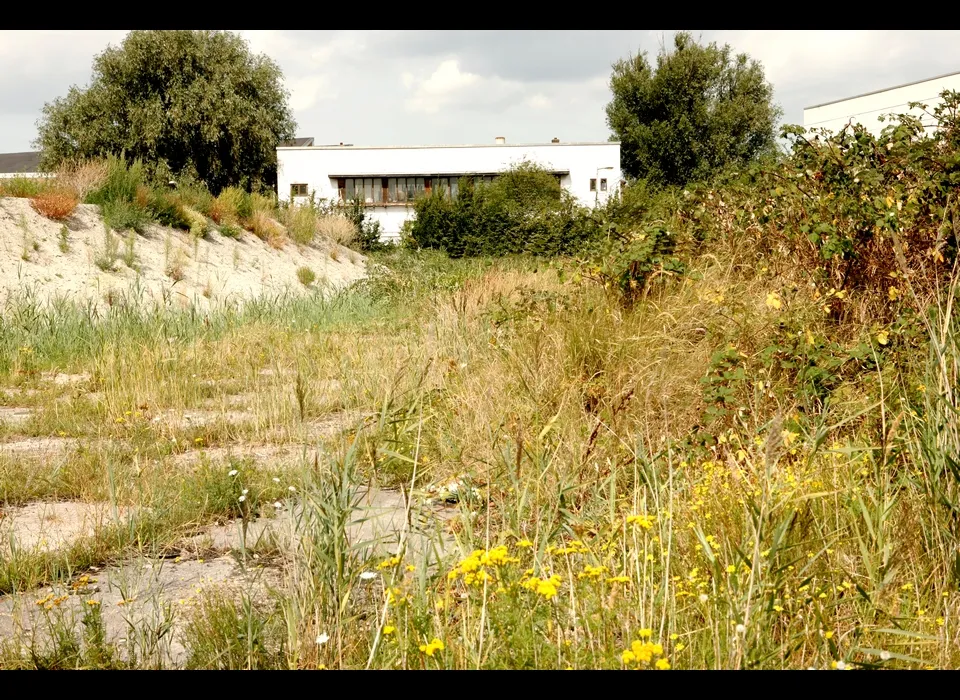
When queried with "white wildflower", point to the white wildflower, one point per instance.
{"points": [[232, 472], [367, 575], [243, 498], [885, 655], [323, 638], [841, 666]]}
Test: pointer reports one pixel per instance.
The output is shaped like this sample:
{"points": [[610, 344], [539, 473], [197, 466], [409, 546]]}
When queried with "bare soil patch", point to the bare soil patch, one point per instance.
{"points": [[152, 596], [15, 415], [47, 527], [38, 446]]}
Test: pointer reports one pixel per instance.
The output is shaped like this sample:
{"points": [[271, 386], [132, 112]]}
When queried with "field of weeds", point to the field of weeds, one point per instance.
{"points": [[479, 464]]}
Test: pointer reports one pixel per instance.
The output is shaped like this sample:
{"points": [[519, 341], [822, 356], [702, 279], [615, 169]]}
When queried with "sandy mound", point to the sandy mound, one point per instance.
{"points": [[40, 258]]}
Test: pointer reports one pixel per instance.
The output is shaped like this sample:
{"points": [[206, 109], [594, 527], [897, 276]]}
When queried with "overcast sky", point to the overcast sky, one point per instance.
{"points": [[437, 87]]}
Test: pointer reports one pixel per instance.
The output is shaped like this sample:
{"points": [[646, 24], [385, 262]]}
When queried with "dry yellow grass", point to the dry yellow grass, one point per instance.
{"points": [[83, 176], [596, 524], [265, 227], [337, 229]]}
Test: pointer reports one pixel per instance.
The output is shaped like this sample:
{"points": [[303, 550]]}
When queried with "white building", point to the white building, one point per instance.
{"points": [[865, 109], [389, 178]]}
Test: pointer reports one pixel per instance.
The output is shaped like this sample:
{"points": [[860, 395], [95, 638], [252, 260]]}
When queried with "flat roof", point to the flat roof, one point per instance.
{"points": [[433, 173], [24, 162], [476, 145], [876, 92]]}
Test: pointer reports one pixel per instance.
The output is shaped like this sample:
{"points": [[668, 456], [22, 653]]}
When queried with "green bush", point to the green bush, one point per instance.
{"points": [[124, 216], [166, 210], [230, 230], [306, 276], [120, 184], [624, 261], [524, 211]]}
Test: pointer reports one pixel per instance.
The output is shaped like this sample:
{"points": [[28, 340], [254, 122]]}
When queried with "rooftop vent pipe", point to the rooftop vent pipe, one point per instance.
{"points": [[500, 141]]}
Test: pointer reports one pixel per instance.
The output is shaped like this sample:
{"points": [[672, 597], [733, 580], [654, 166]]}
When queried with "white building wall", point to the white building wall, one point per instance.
{"points": [[30, 176], [865, 109], [319, 168]]}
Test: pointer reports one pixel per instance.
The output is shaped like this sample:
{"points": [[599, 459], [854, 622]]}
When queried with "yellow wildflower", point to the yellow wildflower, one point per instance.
{"points": [[432, 648], [663, 665], [773, 301], [389, 629], [644, 521], [389, 563], [883, 337]]}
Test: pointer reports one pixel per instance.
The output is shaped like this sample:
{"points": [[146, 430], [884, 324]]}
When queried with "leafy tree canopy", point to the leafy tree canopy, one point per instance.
{"points": [[187, 103], [700, 110]]}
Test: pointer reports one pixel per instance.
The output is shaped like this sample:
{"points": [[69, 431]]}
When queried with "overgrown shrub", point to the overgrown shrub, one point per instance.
{"points": [[165, 208], [230, 230], [300, 222], [123, 215], [229, 206], [120, 183], [851, 212], [55, 204], [625, 261], [199, 226], [524, 210]]}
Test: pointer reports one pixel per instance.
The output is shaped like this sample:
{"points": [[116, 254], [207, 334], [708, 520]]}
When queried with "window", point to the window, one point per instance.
{"points": [[603, 184], [298, 190], [593, 184], [377, 191]]}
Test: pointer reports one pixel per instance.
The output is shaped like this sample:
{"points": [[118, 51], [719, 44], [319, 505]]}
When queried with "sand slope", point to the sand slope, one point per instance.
{"points": [[214, 270]]}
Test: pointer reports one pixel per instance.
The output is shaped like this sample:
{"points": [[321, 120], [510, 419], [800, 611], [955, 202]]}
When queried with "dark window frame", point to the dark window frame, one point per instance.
{"points": [[593, 184], [422, 184], [299, 189], [603, 184]]}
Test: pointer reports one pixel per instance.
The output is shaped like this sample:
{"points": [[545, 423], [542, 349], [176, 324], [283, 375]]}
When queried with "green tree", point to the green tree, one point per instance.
{"points": [[701, 109], [187, 103]]}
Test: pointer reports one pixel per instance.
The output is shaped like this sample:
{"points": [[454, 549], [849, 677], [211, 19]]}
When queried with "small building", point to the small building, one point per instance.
{"points": [[388, 179], [26, 164], [864, 109]]}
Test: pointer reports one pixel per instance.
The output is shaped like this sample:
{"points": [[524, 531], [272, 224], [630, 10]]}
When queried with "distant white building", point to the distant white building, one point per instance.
{"points": [[389, 178], [864, 109]]}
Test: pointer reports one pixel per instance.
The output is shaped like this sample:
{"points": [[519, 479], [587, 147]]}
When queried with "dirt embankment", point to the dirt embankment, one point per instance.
{"points": [[80, 260]]}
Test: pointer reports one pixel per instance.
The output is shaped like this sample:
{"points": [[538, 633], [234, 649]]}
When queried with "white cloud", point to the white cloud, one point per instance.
{"points": [[539, 101], [449, 87], [308, 68], [307, 91]]}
